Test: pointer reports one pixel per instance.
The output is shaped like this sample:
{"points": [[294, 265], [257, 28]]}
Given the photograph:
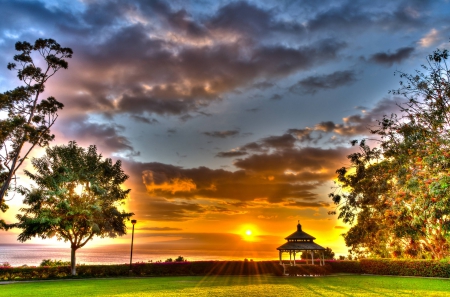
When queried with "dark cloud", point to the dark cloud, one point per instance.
{"points": [[303, 135], [107, 136], [275, 97], [160, 61], [231, 154], [303, 204], [356, 18], [172, 182], [306, 159], [222, 134], [159, 229], [145, 120], [389, 59], [312, 84], [163, 210], [360, 124], [284, 141], [340, 227], [242, 17], [263, 85], [157, 76]]}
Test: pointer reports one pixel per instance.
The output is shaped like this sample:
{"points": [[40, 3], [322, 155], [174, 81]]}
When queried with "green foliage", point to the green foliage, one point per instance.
{"points": [[397, 196], [308, 270], [345, 266], [76, 199], [146, 269], [406, 267], [29, 117], [54, 263]]}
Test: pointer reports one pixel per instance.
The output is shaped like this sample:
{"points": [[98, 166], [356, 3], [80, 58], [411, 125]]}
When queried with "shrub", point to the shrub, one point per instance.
{"points": [[308, 270], [406, 267], [345, 266], [53, 263], [145, 269]]}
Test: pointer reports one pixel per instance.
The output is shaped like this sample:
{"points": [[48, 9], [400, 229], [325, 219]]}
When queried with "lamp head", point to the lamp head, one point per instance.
{"points": [[133, 222]]}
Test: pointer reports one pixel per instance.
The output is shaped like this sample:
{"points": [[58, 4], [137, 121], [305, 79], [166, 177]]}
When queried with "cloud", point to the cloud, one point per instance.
{"points": [[222, 134], [389, 59], [263, 85], [107, 136], [348, 17], [302, 134], [145, 120], [430, 38], [173, 183], [304, 204], [360, 124], [340, 227], [159, 229], [275, 97], [231, 154], [312, 84]]}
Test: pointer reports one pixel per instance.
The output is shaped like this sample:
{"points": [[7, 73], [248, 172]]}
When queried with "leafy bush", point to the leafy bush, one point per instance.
{"points": [[53, 263], [406, 267], [345, 266], [145, 269], [180, 259], [308, 270]]}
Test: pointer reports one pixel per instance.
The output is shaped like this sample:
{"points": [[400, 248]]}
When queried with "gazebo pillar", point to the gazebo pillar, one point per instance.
{"points": [[290, 257], [294, 257], [281, 261], [312, 257]]}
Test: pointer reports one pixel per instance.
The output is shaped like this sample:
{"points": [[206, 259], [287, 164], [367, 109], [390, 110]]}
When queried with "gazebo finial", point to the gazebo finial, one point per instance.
{"points": [[299, 227]]}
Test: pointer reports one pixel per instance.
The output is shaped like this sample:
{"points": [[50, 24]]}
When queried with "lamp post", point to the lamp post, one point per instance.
{"points": [[132, 239]]}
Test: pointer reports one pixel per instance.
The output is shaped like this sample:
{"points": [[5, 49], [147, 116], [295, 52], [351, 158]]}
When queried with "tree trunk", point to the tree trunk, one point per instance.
{"points": [[73, 261]]}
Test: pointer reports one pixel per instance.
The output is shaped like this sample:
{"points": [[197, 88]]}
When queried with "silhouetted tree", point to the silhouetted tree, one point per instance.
{"points": [[29, 117], [76, 198]]}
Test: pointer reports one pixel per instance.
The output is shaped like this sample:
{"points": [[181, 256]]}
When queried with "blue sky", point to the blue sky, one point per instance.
{"points": [[227, 113]]}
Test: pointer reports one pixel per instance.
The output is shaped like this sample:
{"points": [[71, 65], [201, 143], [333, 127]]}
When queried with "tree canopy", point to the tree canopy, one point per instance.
{"points": [[77, 197], [29, 118], [397, 195]]}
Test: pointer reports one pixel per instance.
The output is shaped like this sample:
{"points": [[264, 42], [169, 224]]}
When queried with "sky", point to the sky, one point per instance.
{"points": [[228, 116]]}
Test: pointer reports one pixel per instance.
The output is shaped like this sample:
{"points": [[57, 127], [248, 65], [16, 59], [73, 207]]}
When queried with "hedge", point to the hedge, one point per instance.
{"points": [[146, 269], [427, 268], [344, 266], [406, 267], [308, 270]]}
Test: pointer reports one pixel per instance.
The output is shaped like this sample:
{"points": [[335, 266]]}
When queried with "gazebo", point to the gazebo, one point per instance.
{"points": [[300, 241]]}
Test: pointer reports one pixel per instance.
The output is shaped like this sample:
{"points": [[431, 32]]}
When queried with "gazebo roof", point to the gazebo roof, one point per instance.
{"points": [[300, 246], [300, 240], [299, 234]]}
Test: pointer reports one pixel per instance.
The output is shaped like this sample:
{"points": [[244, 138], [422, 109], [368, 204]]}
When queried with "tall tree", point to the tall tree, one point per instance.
{"points": [[77, 197], [29, 118], [399, 193]]}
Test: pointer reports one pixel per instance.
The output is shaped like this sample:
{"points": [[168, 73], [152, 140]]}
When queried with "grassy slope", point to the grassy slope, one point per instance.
{"points": [[235, 286]]}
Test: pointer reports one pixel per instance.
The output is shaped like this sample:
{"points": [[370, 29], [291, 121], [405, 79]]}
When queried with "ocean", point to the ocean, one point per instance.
{"points": [[33, 254]]}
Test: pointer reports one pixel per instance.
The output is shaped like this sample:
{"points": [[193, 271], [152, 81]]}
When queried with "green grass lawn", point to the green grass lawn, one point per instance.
{"points": [[234, 286]]}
